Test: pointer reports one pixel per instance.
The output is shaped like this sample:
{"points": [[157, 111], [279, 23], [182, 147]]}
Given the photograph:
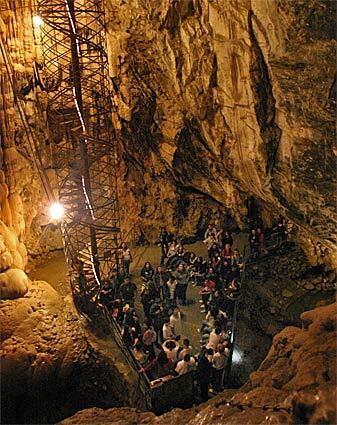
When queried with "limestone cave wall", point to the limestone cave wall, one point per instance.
{"points": [[220, 100]]}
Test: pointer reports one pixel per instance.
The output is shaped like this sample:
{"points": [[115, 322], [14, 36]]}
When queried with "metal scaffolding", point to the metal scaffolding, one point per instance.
{"points": [[75, 75]]}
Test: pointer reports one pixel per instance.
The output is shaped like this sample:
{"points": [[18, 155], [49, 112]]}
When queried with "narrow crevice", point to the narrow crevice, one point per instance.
{"points": [[264, 101]]}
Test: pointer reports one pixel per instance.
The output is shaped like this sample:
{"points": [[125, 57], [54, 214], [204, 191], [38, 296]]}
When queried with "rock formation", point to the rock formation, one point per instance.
{"points": [[55, 363], [219, 101]]}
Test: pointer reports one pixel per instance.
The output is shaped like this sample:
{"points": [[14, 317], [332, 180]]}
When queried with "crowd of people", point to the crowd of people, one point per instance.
{"points": [[155, 335]]}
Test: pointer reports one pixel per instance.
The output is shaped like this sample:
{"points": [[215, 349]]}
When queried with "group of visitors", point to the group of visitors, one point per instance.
{"points": [[278, 234], [158, 344], [157, 341]]}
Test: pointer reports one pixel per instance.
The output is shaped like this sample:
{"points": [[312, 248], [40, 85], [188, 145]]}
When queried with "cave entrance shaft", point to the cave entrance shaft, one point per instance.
{"points": [[84, 143]]}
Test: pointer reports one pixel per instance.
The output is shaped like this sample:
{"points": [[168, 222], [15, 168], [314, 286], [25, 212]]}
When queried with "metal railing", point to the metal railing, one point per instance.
{"points": [[270, 245]]}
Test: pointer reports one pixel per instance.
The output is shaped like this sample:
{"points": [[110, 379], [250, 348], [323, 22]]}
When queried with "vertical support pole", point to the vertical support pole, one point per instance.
{"points": [[76, 76]]}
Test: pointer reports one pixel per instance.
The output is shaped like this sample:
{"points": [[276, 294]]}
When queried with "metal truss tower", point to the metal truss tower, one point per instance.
{"points": [[75, 75]]}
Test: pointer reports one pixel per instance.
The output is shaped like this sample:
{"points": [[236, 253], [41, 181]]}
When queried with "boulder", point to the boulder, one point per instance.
{"points": [[6, 261], [13, 284]]}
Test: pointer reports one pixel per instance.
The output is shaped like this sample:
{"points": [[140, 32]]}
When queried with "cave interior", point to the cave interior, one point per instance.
{"points": [[119, 119]]}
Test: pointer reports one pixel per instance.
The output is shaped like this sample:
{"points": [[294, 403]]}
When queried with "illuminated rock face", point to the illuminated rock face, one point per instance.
{"points": [[50, 359], [220, 100]]}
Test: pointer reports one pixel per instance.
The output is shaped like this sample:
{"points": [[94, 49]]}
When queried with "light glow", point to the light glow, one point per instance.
{"points": [[37, 21], [237, 357], [56, 211]]}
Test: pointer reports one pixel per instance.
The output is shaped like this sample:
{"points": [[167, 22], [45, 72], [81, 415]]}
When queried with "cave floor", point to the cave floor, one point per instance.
{"points": [[54, 271]]}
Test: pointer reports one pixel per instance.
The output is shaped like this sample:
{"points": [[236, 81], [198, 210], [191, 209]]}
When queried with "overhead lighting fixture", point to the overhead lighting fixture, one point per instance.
{"points": [[56, 211], [37, 21]]}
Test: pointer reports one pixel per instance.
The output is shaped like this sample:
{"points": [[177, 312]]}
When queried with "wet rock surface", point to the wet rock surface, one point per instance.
{"points": [[50, 359]]}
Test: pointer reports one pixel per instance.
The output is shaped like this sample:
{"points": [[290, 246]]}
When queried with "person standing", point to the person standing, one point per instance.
{"points": [[128, 290], [185, 365], [172, 286], [126, 258], [182, 277], [204, 370], [167, 329], [161, 278], [164, 243], [147, 272], [219, 363], [175, 322]]}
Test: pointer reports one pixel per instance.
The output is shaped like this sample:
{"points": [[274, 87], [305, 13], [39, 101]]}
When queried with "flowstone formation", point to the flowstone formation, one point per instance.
{"points": [[55, 363], [299, 372], [223, 100]]}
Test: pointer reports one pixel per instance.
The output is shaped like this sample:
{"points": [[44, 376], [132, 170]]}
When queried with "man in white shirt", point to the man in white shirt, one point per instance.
{"points": [[171, 348], [175, 322], [186, 349], [185, 365], [214, 338], [167, 330], [219, 363]]}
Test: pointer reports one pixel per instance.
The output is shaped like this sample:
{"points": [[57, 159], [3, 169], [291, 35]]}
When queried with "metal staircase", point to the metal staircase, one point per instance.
{"points": [[75, 76]]}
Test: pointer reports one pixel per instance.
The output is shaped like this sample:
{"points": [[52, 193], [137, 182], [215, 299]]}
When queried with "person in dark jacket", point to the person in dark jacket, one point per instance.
{"points": [[147, 272], [226, 239], [164, 239], [204, 370]]}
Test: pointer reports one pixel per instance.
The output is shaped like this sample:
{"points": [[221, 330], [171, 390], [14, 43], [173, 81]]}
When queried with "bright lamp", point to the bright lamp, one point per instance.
{"points": [[56, 211], [37, 21]]}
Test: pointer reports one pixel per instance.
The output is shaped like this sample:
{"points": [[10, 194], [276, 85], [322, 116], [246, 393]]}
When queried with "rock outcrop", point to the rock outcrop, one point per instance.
{"points": [[52, 363], [220, 101], [299, 373]]}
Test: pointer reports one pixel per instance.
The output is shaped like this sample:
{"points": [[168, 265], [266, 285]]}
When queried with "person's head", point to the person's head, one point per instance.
{"points": [[159, 269], [211, 270], [253, 231], [227, 247], [176, 311], [124, 245], [167, 320], [200, 259], [186, 342], [258, 231], [171, 278], [147, 265], [221, 348], [227, 233], [173, 243], [170, 345], [217, 330], [161, 358], [187, 358], [192, 256], [210, 351], [148, 323], [210, 226], [181, 267], [127, 279]]}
